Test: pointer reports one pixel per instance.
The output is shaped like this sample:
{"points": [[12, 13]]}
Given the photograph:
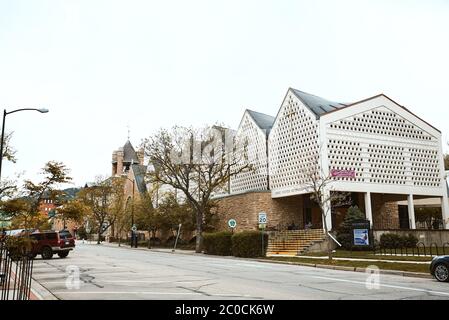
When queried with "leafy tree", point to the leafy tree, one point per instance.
{"points": [[74, 210], [55, 173], [120, 208], [174, 213], [197, 163], [25, 211], [9, 153], [99, 200], [8, 186], [147, 217], [446, 162]]}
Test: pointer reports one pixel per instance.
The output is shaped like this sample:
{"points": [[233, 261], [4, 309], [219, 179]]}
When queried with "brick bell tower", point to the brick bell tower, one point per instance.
{"points": [[124, 157]]}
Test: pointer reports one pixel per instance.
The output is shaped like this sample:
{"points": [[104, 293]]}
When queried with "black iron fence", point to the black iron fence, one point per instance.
{"points": [[16, 268], [419, 250]]}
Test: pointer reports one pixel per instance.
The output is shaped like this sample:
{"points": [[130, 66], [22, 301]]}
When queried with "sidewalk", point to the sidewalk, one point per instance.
{"points": [[127, 246]]}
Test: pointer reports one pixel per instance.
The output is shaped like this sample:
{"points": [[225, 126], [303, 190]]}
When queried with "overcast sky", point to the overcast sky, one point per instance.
{"points": [[102, 65]]}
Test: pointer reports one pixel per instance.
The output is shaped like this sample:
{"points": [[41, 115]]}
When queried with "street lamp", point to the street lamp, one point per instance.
{"points": [[5, 113], [132, 213]]}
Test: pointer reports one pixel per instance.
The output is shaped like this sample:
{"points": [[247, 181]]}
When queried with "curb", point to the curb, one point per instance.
{"points": [[352, 269], [40, 292]]}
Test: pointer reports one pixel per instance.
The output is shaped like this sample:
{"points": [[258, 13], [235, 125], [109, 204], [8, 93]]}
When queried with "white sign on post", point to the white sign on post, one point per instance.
{"points": [[263, 218]]}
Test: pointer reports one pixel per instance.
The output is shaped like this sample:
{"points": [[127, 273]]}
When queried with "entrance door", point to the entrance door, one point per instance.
{"points": [[404, 222], [307, 218]]}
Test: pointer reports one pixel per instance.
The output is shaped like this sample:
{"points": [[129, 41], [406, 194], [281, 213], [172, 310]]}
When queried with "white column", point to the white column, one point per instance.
{"points": [[368, 210], [327, 211], [411, 211], [445, 211]]}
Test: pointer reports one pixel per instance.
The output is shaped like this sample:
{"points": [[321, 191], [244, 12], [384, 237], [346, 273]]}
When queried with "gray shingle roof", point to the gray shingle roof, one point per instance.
{"points": [[129, 154], [264, 121], [139, 176], [317, 105]]}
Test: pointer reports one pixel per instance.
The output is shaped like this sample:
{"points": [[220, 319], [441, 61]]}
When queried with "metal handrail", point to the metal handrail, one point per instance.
{"points": [[332, 237]]}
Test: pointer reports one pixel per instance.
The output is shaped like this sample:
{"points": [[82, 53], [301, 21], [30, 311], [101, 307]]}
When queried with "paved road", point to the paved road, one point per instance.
{"points": [[122, 273]]}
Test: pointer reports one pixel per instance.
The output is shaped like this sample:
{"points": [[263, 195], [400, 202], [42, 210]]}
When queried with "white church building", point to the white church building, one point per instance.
{"points": [[376, 150]]}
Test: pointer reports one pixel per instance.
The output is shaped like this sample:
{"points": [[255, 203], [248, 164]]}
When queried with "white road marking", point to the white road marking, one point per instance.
{"points": [[153, 293], [127, 292], [255, 266], [120, 281], [385, 285]]}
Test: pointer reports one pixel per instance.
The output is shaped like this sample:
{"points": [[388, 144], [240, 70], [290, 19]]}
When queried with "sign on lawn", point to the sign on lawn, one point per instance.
{"points": [[361, 237], [232, 223]]}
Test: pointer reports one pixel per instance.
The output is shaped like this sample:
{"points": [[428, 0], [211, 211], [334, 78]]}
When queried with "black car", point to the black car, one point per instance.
{"points": [[439, 268]]}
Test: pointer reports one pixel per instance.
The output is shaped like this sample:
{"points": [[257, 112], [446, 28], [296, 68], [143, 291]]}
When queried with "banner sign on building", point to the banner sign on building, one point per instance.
{"points": [[343, 173]]}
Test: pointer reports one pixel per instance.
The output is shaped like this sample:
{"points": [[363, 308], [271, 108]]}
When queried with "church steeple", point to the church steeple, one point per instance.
{"points": [[124, 157]]}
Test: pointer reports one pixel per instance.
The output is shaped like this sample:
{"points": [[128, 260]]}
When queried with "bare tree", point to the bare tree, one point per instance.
{"points": [[318, 182], [198, 162]]}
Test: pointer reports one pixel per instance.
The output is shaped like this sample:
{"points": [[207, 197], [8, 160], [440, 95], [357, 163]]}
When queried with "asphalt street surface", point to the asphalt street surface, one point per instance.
{"points": [[106, 272]]}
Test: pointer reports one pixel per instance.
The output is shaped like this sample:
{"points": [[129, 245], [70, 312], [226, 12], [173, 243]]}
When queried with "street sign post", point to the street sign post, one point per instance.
{"points": [[177, 237], [263, 220]]}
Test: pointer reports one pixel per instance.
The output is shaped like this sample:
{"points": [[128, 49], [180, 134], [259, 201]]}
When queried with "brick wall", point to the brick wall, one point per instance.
{"points": [[246, 207], [385, 212]]}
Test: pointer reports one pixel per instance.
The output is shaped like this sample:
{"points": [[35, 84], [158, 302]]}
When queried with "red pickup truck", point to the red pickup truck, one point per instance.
{"points": [[48, 243]]}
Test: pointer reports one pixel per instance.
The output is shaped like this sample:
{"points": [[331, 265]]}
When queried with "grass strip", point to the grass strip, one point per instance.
{"points": [[396, 266]]}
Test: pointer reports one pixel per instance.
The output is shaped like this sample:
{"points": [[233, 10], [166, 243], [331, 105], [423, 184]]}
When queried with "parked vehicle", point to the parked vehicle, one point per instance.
{"points": [[47, 243], [439, 268]]}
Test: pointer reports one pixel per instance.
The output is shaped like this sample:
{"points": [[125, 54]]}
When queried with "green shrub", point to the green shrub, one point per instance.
{"points": [[410, 241], [248, 244], [392, 240], [218, 243]]}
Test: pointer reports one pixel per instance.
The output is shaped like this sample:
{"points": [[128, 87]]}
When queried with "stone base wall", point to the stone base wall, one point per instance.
{"points": [[245, 208], [428, 237]]}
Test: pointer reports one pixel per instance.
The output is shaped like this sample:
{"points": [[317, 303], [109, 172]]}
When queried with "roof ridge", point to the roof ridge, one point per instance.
{"points": [[265, 114]]}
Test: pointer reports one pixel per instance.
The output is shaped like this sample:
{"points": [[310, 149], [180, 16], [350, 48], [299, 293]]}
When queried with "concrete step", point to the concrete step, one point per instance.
{"points": [[293, 242]]}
